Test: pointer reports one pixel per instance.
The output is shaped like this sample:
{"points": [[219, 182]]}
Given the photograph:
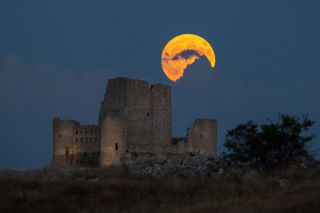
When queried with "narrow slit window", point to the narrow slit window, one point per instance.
{"points": [[116, 146]]}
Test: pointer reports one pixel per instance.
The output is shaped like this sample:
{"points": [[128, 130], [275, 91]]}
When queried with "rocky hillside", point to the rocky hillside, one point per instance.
{"points": [[199, 166]]}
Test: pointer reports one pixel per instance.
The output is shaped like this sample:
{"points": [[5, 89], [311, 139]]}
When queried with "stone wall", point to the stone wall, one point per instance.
{"points": [[113, 143], [161, 114], [202, 137], [87, 139], [63, 141], [180, 145], [115, 98], [144, 112], [71, 140]]}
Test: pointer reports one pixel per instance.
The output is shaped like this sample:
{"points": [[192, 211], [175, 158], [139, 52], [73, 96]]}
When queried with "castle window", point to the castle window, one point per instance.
{"points": [[59, 136], [76, 140], [116, 146], [67, 151], [201, 136], [148, 113], [81, 139], [76, 132]]}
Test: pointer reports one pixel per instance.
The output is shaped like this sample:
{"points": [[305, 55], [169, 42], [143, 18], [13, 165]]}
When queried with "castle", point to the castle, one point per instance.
{"points": [[134, 120]]}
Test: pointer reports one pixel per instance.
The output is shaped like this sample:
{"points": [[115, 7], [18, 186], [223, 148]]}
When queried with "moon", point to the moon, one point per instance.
{"points": [[182, 51]]}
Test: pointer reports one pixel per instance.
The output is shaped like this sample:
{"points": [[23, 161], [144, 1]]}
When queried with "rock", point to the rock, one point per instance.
{"points": [[93, 180], [198, 166], [283, 182], [220, 171]]}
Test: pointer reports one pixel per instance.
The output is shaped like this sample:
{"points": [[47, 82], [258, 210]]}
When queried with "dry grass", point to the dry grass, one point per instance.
{"points": [[113, 190]]}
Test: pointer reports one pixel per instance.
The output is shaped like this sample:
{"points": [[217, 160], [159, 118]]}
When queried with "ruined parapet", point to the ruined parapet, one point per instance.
{"points": [[202, 137]]}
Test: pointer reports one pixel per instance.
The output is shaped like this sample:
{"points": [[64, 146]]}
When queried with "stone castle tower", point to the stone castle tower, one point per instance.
{"points": [[134, 119]]}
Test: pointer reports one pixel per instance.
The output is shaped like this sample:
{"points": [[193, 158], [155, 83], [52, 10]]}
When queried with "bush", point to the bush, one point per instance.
{"points": [[269, 145]]}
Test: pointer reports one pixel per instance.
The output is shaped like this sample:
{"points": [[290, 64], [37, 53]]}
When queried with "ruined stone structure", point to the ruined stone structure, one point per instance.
{"points": [[72, 142], [134, 119]]}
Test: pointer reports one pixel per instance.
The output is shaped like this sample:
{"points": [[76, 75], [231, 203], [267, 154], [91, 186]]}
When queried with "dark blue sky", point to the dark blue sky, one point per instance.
{"points": [[56, 57]]}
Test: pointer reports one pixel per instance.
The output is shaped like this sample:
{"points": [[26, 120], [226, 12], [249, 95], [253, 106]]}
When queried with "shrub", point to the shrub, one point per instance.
{"points": [[269, 145]]}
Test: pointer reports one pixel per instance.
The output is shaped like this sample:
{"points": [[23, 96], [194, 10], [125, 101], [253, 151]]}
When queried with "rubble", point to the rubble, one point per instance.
{"points": [[198, 166]]}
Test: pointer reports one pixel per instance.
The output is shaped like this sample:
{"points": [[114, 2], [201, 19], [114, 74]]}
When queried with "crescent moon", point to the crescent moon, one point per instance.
{"points": [[182, 51]]}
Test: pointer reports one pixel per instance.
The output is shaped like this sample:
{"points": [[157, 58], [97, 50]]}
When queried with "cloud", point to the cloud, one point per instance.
{"points": [[34, 84], [31, 95], [186, 54]]}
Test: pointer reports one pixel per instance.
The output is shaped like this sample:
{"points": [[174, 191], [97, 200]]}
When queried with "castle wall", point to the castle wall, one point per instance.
{"points": [[134, 118], [161, 114], [113, 144], [115, 98], [70, 140], [138, 113], [202, 137], [180, 145], [87, 139], [145, 111], [63, 141]]}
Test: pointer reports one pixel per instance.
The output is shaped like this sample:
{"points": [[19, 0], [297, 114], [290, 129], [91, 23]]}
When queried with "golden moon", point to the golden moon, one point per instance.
{"points": [[182, 51]]}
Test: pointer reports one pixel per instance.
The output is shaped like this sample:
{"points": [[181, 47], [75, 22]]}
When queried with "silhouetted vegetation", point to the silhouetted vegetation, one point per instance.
{"points": [[114, 190], [270, 145]]}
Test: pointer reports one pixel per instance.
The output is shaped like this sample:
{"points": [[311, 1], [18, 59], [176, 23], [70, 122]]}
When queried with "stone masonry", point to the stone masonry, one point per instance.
{"points": [[134, 119]]}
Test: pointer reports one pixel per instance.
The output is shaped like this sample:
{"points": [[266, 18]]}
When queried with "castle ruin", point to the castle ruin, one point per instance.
{"points": [[134, 120]]}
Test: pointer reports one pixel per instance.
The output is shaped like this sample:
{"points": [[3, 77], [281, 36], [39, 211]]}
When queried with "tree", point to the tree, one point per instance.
{"points": [[270, 145]]}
